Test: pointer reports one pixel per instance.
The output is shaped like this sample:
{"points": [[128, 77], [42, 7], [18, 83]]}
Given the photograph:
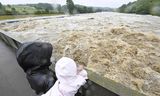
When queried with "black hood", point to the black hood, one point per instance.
{"points": [[33, 55]]}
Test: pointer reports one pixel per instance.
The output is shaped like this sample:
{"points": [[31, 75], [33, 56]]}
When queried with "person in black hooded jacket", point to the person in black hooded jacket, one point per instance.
{"points": [[34, 59]]}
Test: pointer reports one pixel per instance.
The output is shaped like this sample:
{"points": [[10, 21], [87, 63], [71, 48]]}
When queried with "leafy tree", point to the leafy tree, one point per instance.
{"points": [[155, 10], [90, 10], [83, 9], [70, 6], [9, 6], [59, 8], [1, 6], [42, 6], [14, 12], [8, 12], [2, 9], [37, 12], [142, 7], [46, 11], [122, 8]]}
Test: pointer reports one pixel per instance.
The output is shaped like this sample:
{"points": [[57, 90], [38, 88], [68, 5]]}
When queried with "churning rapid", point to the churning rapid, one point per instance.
{"points": [[122, 47]]}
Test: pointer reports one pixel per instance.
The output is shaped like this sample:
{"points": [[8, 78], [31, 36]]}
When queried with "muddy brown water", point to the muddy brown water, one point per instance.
{"points": [[53, 29]]}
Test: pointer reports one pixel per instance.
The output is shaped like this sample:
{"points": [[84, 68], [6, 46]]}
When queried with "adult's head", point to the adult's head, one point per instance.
{"points": [[33, 55]]}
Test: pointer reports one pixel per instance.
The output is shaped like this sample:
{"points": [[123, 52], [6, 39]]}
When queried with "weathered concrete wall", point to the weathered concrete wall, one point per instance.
{"points": [[12, 78]]}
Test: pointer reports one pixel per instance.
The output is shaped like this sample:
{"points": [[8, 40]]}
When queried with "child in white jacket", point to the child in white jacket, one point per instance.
{"points": [[70, 78]]}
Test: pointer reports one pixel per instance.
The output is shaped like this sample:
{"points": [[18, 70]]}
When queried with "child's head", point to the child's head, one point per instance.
{"points": [[66, 69], [70, 76]]}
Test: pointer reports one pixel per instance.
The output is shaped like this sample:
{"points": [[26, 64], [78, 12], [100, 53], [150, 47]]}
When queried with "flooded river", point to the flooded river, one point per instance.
{"points": [[38, 28], [122, 47]]}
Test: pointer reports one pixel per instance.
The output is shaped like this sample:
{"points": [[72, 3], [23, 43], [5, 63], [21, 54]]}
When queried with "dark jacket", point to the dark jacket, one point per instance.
{"points": [[34, 59]]}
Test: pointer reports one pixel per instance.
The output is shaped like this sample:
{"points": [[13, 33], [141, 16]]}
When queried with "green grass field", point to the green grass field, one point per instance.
{"points": [[5, 17], [22, 9]]}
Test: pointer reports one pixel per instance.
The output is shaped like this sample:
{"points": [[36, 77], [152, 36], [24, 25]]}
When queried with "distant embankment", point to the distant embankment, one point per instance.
{"points": [[142, 7], [46, 8]]}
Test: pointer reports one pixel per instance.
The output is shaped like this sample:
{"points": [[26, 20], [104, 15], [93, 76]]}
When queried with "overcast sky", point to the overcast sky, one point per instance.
{"points": [[99, 3]]}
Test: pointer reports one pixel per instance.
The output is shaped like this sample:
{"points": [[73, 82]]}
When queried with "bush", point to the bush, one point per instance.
{"points": [[8, 12], [83, 9], [142, 7]]}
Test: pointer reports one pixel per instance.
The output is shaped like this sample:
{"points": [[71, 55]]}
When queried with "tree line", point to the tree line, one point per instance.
{"points": [[40, 8], [3, 10], [75, 8], [142, 7], [46, 8]]}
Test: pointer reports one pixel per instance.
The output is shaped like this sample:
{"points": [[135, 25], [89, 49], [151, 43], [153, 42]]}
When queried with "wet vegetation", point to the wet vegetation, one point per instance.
{"points": [[27, 10], [142, 7]]}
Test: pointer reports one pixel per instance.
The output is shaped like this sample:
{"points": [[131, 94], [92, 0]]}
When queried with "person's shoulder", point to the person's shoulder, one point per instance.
{"points": [[52, 91]]}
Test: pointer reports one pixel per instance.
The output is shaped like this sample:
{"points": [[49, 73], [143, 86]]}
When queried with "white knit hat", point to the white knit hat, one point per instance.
{"points": [[66, 72], [66, 67]]}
